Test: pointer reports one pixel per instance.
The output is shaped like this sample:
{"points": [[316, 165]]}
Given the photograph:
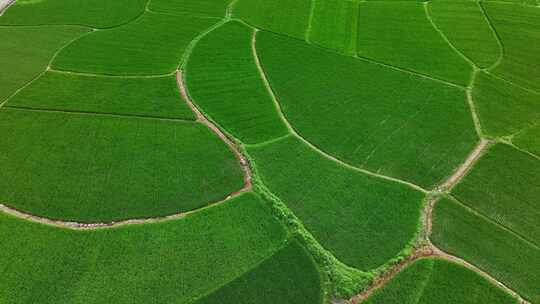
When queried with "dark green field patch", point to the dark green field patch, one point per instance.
{"points": [[21, 60], [415, 44], [152, 97], [153, 44], [289, 276], [519, 29], [93, 13], [229, 87], [503, 108], [211, 8], [487, 245], [289, 17], [90, 168], [368, 115], [169, 262], [465, 25], [504, 186], [364, 221], [334, 25], [428, 281]]}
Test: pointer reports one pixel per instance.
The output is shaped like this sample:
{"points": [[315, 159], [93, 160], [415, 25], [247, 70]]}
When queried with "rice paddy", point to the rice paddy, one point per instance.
{"points": [[439, 281], [269, 151]]}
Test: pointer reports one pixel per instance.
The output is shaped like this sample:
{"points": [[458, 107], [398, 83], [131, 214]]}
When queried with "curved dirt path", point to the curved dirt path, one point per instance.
{"points": [[430, 250], [4, 4], [200, 119], [294, 133]]}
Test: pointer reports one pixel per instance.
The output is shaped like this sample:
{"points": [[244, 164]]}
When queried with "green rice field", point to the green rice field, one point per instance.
{"points": [[270, 151], [439, 281]]}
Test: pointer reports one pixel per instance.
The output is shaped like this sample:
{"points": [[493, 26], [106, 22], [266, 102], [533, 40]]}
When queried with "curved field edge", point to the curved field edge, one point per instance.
{"points": [[351, 279], [340, 272], [490, 220], [93, 13], [378, 134], [146, 97], [349, 276], [344, 281], [81, 225], [509, 261], [364, 221], [434, 280], [171, 257], [152, 44], [242, 105], [18, 72], [104, 169]]}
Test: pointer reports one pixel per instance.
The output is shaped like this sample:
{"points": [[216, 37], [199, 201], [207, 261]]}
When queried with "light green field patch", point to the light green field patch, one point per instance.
{"points": [[428, 281], [368, 115], [364, 221], [153, 44], [289, 276], [211, 8], [504, 186], [93, 13], [90, 168], [151, 97], [229, 87], [465, 25], [334, 25], [289, 17], [529, 139], [167, 262], [519, 29], [489, 246], [400, 34], [21, 60], [503, 108]]}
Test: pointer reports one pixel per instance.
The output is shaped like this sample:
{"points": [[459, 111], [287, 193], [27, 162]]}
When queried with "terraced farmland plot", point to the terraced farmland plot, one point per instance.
{"points": [[402, 34], [151, 44], [517, 27], [89, 169], [529, 140], [439, 281], [364, 221], [229, 88], [148, 97], [356, 111], [92, 13], [509, 258], [286, 17], [503, 108], [289, 276], [269, 151], [506, 194], [21, 62], [467, 27], [159, 262]]}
